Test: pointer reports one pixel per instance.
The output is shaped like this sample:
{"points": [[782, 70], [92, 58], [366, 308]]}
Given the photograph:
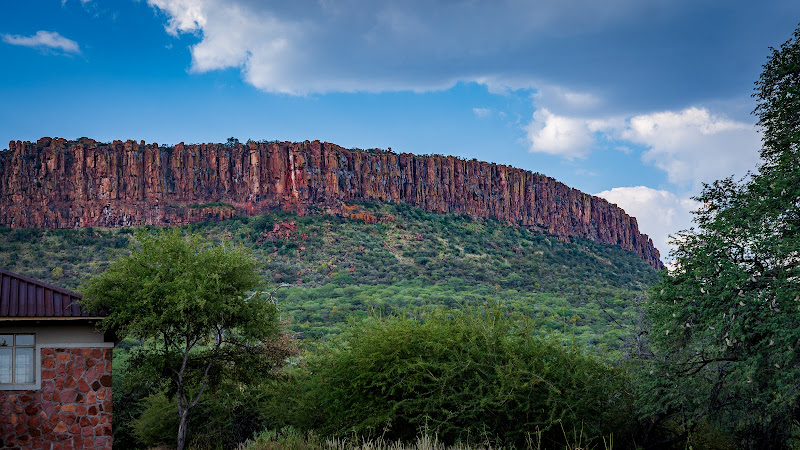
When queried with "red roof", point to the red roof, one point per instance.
{"points": [[25, 298]]}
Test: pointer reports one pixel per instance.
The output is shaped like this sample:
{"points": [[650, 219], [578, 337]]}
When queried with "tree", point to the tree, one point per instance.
{"points": [[192, 305], [726, 318]]}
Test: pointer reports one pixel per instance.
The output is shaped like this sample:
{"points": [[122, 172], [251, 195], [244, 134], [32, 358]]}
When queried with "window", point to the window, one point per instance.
{"points": [[17, 359]]}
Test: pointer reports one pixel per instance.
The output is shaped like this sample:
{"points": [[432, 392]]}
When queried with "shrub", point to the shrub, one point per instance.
{"points": [[474, 377]]}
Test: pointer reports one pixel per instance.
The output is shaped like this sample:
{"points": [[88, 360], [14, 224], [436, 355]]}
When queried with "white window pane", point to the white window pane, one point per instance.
{"points": [[6, 340], [24, 339], [23, 370], [5, 365]]}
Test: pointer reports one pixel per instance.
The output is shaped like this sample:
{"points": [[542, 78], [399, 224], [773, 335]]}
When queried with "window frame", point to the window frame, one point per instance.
{"points": [[16, 385]]}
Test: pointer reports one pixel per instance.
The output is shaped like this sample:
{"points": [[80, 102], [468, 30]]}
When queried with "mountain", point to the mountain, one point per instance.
{"points": [[56, 183]]}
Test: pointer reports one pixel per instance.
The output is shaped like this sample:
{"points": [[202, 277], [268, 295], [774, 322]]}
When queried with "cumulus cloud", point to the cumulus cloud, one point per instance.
{"points": [[659, 213], [559, 135], [694, 146], [319, 46], [568, 137], [184, 16], [44, 39]]}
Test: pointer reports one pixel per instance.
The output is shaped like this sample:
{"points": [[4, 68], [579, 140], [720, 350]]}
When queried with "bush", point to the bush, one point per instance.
{"points": [[158, 421], [226, 418], [473, 377]]}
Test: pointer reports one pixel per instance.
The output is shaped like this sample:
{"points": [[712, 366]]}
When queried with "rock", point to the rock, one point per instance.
{"points": [[55, 183]]}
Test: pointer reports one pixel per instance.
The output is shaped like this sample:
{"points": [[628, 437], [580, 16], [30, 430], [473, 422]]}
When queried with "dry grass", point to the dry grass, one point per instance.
{"points": [[291, 439]]}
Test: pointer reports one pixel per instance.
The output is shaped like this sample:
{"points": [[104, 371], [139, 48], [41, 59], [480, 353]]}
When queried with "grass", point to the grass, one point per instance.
{"points": [[291, 439]]}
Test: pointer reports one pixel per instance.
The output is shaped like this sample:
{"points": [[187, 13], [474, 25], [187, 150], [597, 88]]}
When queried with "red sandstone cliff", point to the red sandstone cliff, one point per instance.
{"points": [[55, 183]]}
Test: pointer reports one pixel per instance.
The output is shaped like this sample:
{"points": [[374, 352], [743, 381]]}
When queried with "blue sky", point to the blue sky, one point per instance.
{"points": [[638, 101]]}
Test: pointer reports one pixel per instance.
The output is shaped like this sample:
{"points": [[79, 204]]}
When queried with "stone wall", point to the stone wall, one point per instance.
{"points": [[55, 183], [73, 408]]}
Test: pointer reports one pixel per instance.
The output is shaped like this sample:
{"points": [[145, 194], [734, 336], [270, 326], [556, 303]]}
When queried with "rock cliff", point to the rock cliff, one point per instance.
{"points": [[55, 183]]}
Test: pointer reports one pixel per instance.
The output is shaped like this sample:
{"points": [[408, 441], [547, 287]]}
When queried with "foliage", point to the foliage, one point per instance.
{"points": [[75, 252], [157, 422], [726, 317], [131, 386], [230, 416], [187, 301], [477, 376]]}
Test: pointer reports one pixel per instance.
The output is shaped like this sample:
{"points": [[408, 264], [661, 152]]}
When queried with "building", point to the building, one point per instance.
{"points": [[55, 369]]}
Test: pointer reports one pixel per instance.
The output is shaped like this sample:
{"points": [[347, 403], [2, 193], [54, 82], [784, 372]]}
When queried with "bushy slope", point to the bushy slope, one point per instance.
{"points": [[408, 259]]}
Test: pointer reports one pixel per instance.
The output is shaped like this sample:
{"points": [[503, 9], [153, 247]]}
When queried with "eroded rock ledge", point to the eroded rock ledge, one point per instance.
{"points": [[55, 183]]}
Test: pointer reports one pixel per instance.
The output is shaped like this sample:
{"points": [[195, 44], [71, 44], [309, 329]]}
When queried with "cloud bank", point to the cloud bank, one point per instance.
{"points": [[44, 39], [320, 46]]}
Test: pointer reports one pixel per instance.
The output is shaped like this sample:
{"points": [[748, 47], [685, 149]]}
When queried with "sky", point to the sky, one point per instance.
{"points": [[636, 101]]}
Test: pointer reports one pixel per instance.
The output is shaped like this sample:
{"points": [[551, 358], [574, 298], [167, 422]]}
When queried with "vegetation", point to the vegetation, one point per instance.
{"points": [[190, 304], [334, 268], [476, 376], [725, 320]]}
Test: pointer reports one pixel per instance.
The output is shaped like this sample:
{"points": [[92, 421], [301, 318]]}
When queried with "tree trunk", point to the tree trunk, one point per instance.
{"points": [[182, 430]]}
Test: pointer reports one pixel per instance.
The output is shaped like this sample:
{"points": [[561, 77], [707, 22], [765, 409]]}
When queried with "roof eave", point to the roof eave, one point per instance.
{"points": [[48, 319]]}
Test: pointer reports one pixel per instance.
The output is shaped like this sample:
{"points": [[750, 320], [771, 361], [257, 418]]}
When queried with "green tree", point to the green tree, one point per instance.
{"points": [[192, 305], [726, 318]]}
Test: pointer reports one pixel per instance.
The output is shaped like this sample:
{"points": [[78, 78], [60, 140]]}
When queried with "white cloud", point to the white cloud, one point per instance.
{"points": [[694, 146], [185, 16], [559, 135], [44, 39], [659, 213], [568, 137]]}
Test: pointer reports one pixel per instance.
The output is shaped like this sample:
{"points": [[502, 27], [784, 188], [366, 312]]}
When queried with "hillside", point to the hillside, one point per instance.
{"points": [[399, 258], [55, 183]]}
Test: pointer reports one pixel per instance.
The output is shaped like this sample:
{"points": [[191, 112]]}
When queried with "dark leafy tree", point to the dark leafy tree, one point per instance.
{"points": [[727, 316], [194, 306]]}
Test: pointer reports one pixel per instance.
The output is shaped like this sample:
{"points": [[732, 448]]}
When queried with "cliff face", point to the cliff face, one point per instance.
{"points": [[55, 183]]}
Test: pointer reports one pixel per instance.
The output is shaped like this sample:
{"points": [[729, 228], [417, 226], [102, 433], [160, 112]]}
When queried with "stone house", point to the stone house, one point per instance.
{"points": [[55, 369]]}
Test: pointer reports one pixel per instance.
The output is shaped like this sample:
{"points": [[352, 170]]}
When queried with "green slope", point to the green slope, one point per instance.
{"points": [[333, 268]]}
